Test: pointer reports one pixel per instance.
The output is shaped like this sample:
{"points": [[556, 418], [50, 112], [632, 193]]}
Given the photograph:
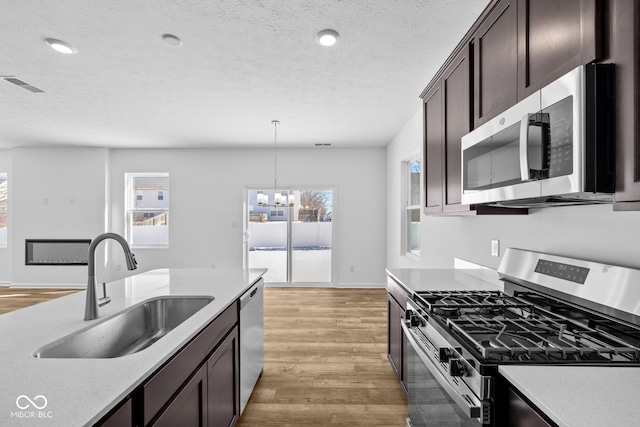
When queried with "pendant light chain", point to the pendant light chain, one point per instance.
{"points": [[275, 157]]}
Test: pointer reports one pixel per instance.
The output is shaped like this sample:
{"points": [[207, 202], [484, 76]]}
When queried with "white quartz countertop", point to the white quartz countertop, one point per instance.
{"points": [[445, 279], [581, 396], [80, 391]]}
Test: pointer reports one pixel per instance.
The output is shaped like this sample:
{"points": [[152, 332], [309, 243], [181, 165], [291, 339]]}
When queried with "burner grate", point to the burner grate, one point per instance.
{"points": [[469, 299], [554, 338]]}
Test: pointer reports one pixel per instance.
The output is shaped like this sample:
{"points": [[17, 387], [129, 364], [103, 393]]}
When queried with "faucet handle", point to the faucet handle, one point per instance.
{"points": [[105, 299]]}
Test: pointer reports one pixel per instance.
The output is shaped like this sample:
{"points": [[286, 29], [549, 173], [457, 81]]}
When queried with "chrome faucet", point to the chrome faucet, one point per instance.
{"points": [[92, 302]]}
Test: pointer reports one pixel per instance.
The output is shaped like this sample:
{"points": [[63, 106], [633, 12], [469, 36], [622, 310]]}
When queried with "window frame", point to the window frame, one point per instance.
{"points": [[5, 210], [131, 196], [408, 207]]}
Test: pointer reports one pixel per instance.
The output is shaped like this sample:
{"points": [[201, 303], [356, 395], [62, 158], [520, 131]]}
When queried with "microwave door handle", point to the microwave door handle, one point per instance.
{"points": [[524, 149]]}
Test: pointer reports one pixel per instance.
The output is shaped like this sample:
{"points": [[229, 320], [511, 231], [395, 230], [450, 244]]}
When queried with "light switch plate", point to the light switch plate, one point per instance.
{"points": [[495, 247]]}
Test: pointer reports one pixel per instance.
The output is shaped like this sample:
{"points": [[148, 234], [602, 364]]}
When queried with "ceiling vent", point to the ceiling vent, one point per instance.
{"points": [[323, 145], [22, 84]]}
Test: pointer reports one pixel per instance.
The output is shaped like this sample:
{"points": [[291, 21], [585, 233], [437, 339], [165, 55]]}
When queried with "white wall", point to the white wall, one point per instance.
{"points": [[590, 232], [73, 182], [206, 203], [5, 253]]}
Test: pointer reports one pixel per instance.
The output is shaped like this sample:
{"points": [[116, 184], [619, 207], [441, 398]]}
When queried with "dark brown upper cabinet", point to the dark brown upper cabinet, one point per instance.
{"points": [[496, 62], [554, 37], [622, 47], [456, 86], [433, 151]]}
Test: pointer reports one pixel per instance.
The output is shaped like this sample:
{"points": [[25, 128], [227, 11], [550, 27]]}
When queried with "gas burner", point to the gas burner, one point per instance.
{"points": [[446, 311]]}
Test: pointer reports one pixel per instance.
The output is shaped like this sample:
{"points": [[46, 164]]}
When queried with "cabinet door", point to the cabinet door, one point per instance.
{"points": [[224, 382], [554, 37], [433, 150], [396, 341], [456, 87], [496, 62], [188, 409], [394, 345], [122, 417], [623, 42]]}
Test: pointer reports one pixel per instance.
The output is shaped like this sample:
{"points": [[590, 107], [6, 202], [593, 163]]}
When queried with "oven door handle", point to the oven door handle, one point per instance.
{"points": [[463, 401]]}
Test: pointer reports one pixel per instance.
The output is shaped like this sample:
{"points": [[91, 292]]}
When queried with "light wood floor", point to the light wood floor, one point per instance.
{"points": [[325, 358], [13, 299], [325, 361]]}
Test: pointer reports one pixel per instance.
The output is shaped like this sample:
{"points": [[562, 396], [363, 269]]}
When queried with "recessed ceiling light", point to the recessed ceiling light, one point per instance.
{"points": [[60, 46], [172, 40], [327, 37]]}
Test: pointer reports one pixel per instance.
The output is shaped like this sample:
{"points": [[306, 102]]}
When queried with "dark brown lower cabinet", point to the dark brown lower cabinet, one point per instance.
{"points": [[396, 341], [394, 338], [121, 417], [224, 383], [522, 414], [189, 408]]}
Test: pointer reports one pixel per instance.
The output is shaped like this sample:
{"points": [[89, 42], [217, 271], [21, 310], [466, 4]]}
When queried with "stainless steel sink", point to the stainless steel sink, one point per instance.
{"points": [[127, 332]]}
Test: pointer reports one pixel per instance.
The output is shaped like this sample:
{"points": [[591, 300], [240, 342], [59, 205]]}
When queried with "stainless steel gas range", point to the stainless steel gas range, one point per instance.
{"points": [[554, 310]]}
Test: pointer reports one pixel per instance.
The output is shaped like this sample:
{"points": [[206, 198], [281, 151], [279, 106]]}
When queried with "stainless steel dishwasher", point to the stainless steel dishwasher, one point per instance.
{"points": [[251, 340]]}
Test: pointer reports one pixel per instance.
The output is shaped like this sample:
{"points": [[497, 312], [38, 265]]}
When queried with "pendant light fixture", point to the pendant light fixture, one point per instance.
{"points": [[281, 198]]}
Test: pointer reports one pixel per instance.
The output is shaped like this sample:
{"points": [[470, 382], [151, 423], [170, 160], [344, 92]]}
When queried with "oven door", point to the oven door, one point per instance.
{"points": [[432, 400]]}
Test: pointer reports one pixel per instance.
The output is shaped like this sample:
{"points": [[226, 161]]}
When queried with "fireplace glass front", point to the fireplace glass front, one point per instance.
{"points": [[57, 251]]}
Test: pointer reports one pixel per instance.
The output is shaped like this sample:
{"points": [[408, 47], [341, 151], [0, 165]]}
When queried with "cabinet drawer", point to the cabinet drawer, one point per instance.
{"points": [[397, 291], [166, 382]]}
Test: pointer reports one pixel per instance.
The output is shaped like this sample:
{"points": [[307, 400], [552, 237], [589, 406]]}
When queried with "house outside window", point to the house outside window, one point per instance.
{"points": [[412, 170], [4, 200], [147, 201]]}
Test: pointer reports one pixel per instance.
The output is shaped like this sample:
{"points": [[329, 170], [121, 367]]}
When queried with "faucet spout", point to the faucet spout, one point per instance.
{"points": [[91, 303]]}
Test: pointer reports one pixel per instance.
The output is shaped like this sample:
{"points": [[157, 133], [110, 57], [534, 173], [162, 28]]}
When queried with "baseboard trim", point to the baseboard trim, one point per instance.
{"points": [[326, 285], [48, 285], [361, 285]]}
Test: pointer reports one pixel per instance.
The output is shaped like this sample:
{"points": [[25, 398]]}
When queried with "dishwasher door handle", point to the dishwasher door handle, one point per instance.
{"points": [[247, 296]]}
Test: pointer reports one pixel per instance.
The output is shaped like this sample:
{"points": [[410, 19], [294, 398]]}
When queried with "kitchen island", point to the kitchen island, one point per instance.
{"points": [[76, 392]]}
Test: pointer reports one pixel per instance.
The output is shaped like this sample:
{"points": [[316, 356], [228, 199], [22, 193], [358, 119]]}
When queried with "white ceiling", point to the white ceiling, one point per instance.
{"points": [[242, 64]]}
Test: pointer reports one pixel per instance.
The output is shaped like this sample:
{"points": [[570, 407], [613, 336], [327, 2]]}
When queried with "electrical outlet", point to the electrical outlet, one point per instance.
{"points": [[352, 268], [495, 248]]}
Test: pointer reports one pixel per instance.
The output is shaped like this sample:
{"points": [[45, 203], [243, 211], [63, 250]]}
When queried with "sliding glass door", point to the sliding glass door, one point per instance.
{"points": [[292, 240]]}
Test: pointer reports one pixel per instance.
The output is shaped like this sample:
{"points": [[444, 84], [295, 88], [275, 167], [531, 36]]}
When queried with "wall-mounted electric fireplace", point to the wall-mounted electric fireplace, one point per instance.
{"points": [[57, 251]]}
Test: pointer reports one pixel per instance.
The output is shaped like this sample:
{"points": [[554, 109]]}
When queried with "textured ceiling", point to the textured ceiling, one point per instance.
{"points": [[242, 64]]}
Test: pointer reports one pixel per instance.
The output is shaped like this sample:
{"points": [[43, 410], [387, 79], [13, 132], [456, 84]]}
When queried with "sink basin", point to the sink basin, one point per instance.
{"points": [[127, 332]]}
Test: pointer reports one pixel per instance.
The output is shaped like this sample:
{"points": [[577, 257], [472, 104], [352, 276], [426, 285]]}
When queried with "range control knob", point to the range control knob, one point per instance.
{"points": [[415, 321], [457, 368], [445, 354]]}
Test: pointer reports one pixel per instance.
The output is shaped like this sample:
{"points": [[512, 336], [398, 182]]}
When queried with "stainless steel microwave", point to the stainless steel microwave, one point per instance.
{"points": [[555, 147]]}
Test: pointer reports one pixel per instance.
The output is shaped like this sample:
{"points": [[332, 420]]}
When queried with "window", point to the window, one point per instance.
{"points": [[147, 201], [412, 171], [3, 209]]}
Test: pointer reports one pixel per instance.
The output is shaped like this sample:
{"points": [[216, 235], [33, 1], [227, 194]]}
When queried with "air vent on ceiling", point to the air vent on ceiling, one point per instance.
{"points": [[23, 84], [323, 145]]}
